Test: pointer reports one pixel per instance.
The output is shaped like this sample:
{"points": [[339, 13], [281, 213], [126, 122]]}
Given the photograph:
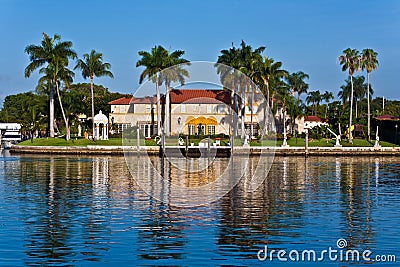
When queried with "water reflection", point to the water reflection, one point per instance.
{"points": [[63, 210]]}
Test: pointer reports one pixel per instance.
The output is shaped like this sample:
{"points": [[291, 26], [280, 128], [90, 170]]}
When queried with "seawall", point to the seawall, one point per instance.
{"points": [[214, 151]]}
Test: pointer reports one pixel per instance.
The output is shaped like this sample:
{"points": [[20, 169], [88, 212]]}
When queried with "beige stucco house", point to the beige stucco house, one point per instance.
{"points": [[193, 112]]}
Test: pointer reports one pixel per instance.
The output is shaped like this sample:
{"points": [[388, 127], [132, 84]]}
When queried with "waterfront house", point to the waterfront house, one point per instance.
{"points": [[193, 112]]}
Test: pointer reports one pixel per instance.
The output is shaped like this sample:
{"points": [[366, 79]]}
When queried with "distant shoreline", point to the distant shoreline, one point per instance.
{"points": [[219, 151]]}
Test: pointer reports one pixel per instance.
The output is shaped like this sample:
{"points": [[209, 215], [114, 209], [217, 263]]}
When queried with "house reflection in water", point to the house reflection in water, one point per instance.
{"points": [[86, 208]]}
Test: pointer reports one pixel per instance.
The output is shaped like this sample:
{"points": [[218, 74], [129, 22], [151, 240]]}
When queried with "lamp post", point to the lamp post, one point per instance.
{"points": [[395, 138]]}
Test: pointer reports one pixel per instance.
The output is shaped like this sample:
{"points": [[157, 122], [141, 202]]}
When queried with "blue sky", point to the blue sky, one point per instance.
{"points": [[304, 35]]}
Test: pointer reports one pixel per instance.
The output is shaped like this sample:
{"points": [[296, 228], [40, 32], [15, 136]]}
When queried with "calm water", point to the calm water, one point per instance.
{"points": [[89, 211]]}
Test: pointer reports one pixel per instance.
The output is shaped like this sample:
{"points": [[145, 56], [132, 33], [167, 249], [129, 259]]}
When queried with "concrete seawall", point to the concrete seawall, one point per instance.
{"points": [[218, 151]]}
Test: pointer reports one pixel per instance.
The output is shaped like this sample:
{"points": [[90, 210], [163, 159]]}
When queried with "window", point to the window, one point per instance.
{"points": [[148, 108], [183, 108], [122, 109], [120, 127], [191, 129], [211, 129], [146, 129], [209, 108]]}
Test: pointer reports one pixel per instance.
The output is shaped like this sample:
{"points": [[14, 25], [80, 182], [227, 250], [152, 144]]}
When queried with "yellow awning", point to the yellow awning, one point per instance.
{"points": [[202, 120]]}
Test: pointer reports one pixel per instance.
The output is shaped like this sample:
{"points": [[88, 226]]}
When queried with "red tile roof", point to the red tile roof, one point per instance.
{"points": [[121, 101], [144, 100], [201, 96], [387, 118], [178, 96], [312, 118]]}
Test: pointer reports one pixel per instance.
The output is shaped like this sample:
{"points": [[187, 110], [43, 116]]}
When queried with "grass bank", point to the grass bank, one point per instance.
{"points": [[173, 142], [72, 142]]}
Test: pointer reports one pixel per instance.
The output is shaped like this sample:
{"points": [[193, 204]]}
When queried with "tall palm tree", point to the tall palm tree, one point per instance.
{"points": [[327, 96], [242, 60], [154, 62], [93, 66], [250, 60], [297, 83], [267, 72], [350, 61], [40, 55], [58, 72], [174, 72], [295, 109], [315, 98], [284, 98], [359, 89], [227, 66], [369, 62]]}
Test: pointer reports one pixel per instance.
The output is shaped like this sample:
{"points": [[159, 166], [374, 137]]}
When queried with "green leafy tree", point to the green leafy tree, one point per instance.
{"points": [[28, 109], [50, 50], [350, 62], [92, 66], [369, 62], [102, 96]]}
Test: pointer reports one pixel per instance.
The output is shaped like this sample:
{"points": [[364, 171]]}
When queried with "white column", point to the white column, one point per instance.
{"points": [[106, 132], [97, 131]]}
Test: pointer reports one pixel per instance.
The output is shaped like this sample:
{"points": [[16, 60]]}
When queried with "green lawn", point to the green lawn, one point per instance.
{"points": [[72, 142], [300, 142], [173, 142]]}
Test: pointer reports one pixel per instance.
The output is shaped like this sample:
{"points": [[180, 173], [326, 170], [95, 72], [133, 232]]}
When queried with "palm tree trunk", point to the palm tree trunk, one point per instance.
{"points": [[265, 109], [233, 112], [251, 114], [356, 108], [63, 113], [158, 108], [369, 110], [51, 110], [92, 96], [243, 113], [326, 109], [351, 110], [284, 126], [167, 115]]}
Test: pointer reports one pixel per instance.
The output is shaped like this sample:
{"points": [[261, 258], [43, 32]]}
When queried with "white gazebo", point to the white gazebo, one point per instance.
{"points": [[101, 126]]}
